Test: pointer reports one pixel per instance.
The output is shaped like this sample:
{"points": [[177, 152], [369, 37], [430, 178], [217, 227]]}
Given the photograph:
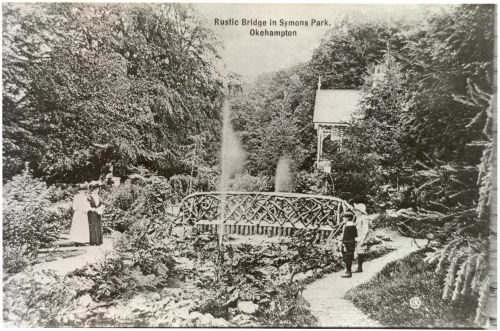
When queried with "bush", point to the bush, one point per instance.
{"points": [[147, 246], [141, 259], [28, 224], [15, 258], [42, 299], [58, 193], [249, 183], [265, 275], [309, 183], [65, 216], [138, 198], [179, 186], [108, 278], [206, 180], [388, 197], [288, 309], [141, 256]]}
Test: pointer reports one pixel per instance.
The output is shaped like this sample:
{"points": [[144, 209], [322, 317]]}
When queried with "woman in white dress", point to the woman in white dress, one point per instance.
{"points": [[80, 233]]}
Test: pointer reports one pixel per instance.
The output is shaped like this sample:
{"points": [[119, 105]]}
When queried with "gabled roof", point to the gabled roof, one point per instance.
{"points": [[335, 106]]}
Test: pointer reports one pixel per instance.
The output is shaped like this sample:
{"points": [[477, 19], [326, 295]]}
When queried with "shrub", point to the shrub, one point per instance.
{"points": [[309, 183], [264, 274], [249, 183], [179, 186], [28, 224], [109, 277], [65, 216], [58, 193], [288, 309], [388, 197], [206, 180], [140, 260], [15, 258], [147, 246], [117, 214], [42, 299], [138, 198]]}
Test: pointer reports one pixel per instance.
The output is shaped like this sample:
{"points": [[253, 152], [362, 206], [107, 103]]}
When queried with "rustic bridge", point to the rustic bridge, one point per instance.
{"points": [[264, 213]]}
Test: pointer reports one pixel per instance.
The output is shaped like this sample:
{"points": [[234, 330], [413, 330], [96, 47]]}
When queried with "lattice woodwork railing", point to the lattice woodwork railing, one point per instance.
{"points": [[262, 212]]}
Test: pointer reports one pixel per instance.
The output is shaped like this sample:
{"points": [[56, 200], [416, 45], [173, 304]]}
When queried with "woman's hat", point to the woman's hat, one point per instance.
{"points": [[83, 186]]}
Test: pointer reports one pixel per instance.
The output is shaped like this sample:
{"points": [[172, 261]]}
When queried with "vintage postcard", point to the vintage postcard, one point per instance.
{"points": [[253, 165]]}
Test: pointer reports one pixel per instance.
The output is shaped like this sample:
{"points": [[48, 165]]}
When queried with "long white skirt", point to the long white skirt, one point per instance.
{"points": [[80, 228]]}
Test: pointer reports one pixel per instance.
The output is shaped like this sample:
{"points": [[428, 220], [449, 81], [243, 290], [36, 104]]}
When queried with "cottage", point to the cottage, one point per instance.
{"points": [[332, 111]]}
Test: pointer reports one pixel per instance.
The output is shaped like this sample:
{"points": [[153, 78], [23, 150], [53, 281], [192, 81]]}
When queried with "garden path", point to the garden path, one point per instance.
{"points": [[91, 255], [326, 295]]}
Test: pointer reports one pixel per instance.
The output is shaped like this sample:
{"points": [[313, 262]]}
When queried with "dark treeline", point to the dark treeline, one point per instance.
{"points": [[85, 85]]}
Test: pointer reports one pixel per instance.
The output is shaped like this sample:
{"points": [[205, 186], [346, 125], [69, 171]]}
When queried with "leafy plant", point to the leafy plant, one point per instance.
{"points": [[265, 275], [288, 309], [28, 224], [138, 198], [249, 183], [310, 183]]}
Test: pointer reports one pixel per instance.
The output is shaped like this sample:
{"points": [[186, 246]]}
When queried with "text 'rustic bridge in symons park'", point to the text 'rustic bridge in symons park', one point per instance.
{"points": [[263, 213]]}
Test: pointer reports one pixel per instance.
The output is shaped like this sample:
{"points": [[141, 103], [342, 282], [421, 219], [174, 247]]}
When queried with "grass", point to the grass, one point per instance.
{"points": [[386, 298]]}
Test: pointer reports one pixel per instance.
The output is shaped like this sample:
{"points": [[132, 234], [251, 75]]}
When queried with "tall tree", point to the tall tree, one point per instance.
{"points": [[342, 60], [98, 83], [442, 61]]}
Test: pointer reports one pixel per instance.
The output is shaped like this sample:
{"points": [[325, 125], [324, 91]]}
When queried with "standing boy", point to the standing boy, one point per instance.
{"points": [[348, 242]]}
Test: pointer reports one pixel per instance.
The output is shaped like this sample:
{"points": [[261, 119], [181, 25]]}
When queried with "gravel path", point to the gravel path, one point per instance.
{"points": [[91, 255], [326, 295]]}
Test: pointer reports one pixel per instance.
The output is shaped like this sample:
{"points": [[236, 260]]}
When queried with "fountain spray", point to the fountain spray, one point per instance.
{"points": [[232, 162]]}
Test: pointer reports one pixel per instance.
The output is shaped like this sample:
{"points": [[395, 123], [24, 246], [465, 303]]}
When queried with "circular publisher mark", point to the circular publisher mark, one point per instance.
{"points": [[415, 302]]}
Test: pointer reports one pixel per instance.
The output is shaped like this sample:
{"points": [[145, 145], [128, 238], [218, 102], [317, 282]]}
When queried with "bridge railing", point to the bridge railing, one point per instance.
{"points": [[263, 212]]}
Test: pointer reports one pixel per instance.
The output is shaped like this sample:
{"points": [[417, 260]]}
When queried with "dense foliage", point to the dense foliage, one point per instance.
{"points": [[85, 85], [138, 199], [141, 259], [421, 138], [269, 278], [443, 132], [451, 124], [146, 196], [27, 222], [275, 118]]}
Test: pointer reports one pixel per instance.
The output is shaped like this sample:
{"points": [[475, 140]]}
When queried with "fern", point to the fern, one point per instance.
{"points": [[450, 275], [465, 266], [469, 273], [459, 281], [480, 267], [482, 304]]}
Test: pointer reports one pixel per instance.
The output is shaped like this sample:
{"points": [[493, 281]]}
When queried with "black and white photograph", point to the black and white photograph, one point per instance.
{"points": [[249, 165]]}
